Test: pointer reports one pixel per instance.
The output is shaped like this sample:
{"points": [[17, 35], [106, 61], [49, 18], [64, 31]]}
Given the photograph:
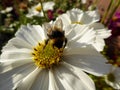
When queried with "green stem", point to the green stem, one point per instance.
{"points": [[96, 1], [43, 11], [112, 12], [106, 12]]}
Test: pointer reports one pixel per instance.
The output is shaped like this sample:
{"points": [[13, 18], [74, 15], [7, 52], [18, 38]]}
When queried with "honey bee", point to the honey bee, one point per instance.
{"points": [[55, 34]]}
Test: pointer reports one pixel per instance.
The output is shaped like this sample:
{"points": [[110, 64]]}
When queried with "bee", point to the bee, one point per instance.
{"points": [[55, 34]]}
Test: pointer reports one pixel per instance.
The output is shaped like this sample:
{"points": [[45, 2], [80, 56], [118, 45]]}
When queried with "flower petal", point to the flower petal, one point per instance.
{"points": [[6, 64], [86, 80], [88, 59], [85, 50], [65, 19], [31, 34], [68, 79], [52, 81], [15, 43], [27, 82], [94, 15], [16, 53], [9, 79], [97, 25], [48, 5], [79, 33], [40, 32], [99, 44], [41, 81], [103, 33], [74, 15]]}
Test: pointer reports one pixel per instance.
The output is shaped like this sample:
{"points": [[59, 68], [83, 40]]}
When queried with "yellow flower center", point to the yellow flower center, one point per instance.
{"points": [[38, 8], [45, 56], [76, 22], [111, 77]]}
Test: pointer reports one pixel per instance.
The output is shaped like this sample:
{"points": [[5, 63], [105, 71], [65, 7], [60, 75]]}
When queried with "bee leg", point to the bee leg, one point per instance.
{"points": [[65, 42], [46, 42]]}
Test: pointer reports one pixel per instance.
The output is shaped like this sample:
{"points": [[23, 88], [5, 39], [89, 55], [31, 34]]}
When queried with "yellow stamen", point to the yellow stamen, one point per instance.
{"points": [[38, 8], [76, 23], [45, 56]]}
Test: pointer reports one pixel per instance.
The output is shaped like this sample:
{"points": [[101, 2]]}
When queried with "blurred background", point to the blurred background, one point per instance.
{"points": [[13, 15]]}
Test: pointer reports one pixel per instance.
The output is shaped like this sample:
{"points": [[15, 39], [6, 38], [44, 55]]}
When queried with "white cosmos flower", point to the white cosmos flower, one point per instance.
{"points": [[113, 78], [18, 69], [101, 33], [77, 16], [84, 1], [7, 10], [37, 9], [89, 18]]}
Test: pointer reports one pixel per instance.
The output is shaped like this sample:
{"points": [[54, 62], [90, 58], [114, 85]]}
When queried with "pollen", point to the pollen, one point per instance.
{"points": [[77, 23], [38, 8], [45, 56]]}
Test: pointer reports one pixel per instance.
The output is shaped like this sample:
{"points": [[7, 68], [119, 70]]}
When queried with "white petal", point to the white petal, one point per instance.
{"points": [[71, 16], [99, 44], [94, 15], [37, 32], [80, 33], [48, 5], [8, 9], [74, 15], [87, 50], [103, 33], [85, 19], [9, 79], [52, 83], [86, 80], [27, 82], [31, 34], [65, 19], [9, 64], [67, 79], [77, 15], [97, 25], [88, 59], [16, 43], [24, 33], [33, 12], [42, 81], [83, 1], [87, 37], [76, 11], [75, 31], [42, 34], [88, 17], [16, 53]]}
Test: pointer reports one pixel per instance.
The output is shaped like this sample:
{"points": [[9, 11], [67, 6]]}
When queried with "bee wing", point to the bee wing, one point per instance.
{"points": [[48, 27], [58, 24]]}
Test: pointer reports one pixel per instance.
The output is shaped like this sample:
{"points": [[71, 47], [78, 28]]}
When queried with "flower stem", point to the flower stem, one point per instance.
{"points": [[112, 12], [107, 11], [43, 11]]}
